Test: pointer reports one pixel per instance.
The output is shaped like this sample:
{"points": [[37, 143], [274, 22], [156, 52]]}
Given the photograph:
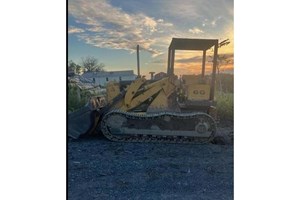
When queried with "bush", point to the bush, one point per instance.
{"points": [[225, 106], [224, 83], [74, 102]]}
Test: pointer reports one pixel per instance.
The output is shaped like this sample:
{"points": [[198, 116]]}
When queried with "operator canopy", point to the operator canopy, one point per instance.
{"points": [[192, 44]]}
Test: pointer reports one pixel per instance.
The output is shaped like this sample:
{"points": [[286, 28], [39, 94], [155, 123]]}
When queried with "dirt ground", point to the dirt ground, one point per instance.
{"points": [[101, 169]]}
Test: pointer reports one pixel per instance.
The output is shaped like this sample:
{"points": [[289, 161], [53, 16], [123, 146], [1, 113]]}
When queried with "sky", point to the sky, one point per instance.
{"points": [[110, 30]]}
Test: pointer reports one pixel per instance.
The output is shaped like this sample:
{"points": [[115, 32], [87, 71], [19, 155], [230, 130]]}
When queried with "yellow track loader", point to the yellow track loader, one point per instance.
{"points": [[172, 109]]}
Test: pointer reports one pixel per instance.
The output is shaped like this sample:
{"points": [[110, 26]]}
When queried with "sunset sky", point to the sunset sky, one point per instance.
{"points": [[109, 30]]}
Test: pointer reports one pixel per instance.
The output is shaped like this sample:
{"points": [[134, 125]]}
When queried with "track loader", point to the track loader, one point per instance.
{"points": [[172, 109]]}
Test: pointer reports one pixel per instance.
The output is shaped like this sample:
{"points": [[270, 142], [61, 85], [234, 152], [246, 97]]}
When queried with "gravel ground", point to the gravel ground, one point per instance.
{"points": [[101, 169]]}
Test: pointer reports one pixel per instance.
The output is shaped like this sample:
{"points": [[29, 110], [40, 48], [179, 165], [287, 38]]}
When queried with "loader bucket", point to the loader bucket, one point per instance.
{"points": [[82, 122]]}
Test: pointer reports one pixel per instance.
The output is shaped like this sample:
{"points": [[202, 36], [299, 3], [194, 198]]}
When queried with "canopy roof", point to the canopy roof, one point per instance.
{"points": [[192, 44]]}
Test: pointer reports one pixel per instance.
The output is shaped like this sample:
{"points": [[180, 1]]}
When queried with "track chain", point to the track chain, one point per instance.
{"points": [[156, 138]]}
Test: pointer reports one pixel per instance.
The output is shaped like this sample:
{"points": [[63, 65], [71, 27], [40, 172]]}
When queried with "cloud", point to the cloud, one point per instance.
{"points": [[211, 17], [196, 10], [106, 26], [111, 27], [195, 68], [189, 60], [150, 23], [226, 58], [73, 29], [191, 68], [195, 30], [162, 23]]}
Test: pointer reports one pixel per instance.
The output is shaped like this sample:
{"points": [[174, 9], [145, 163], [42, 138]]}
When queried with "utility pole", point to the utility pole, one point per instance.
{"points": [[138, 60]]}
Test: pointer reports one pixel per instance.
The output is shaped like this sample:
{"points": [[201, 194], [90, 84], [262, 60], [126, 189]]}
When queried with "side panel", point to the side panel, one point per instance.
{"points": [[159, 104], [198, 92]]}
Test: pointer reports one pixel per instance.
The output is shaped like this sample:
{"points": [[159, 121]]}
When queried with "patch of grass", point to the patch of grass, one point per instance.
{"points": [[225, 106]]}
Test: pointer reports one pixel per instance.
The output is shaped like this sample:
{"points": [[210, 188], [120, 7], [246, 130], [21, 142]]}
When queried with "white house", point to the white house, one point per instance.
{"points": [[102, 78]]}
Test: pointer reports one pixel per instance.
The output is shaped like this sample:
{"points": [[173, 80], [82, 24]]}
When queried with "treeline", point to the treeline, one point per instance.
{"points": [[87, 64], [225, 83], [225, 97], [76, 98]]}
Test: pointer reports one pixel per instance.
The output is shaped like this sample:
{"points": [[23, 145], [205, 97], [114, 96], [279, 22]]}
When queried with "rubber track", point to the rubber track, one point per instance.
{"points": [[156, 138]]}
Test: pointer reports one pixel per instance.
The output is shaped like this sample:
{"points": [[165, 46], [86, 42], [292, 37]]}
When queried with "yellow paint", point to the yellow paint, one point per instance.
{"points": [[132, 89], [193, 79], [112, 90], [144, 96], [198, 92], [160, 83], [166, 85], [159, 103]]}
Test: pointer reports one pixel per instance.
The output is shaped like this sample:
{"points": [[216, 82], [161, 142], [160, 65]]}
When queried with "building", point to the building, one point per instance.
{"points": [[103, 77], [71, 72]]}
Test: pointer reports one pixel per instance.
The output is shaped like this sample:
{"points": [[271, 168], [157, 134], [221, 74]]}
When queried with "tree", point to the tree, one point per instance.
{"points": [[91, 64], [75, 67], [224, 59], [221, 60], [71, 65]]}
